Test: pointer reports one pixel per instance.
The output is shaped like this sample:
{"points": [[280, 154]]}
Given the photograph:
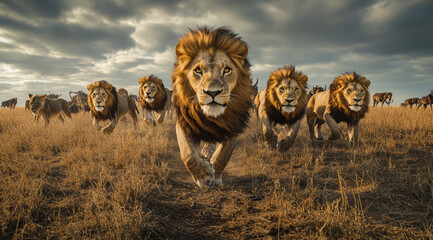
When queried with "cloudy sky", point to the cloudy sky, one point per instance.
{"points": [[60, 45]]}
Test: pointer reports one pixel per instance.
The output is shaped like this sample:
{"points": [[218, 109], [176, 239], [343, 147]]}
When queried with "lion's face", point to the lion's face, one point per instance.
{"points": [[288, 92], [149, 90], [354, 93], [213, 80], [99, 97], [36, 102]]}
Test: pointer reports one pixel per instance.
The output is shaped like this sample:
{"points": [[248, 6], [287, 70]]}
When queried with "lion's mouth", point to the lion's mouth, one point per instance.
{"points": [[213, 103], [288, 108], [99, 108], [213, 109], [150, 99], [355, 107]]}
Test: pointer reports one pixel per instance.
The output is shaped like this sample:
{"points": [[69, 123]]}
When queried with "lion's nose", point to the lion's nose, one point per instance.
{"points": [[357, 99], [289, 101], [213, 94], [98, 101]]}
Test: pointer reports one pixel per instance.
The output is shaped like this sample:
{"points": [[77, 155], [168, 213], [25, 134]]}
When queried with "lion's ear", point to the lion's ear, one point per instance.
{"points": [[366, 83], [141, 80], [108, 87], [303, 79], [43, 96], [177, 50], [30, 96], [90, 87], [243, 51]]}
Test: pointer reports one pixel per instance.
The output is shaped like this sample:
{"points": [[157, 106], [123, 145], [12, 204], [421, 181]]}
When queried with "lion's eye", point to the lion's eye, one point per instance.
{"points": [[103, 95], [94, 95], [198, 71], [227, 70], [362, 91], [296, 89], [281, 89], [349, 91]]}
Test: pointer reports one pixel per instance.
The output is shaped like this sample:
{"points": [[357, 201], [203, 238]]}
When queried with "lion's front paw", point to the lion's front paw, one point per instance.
{"points": [[335, 135], [285, 144], [204, 179], [108, 129], [217, 181]]}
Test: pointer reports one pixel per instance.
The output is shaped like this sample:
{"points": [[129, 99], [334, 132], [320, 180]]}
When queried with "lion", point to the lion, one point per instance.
{"points": [[282, 102], [155, 99], [346, 101], [42, 106], [106, 104], [211, 97]]}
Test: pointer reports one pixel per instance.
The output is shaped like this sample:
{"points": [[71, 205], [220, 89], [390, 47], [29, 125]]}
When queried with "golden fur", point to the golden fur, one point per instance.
{"points": [[211, 96], [346, 101], [155, 99], [42, 106], [282, 102], [106, 104]]}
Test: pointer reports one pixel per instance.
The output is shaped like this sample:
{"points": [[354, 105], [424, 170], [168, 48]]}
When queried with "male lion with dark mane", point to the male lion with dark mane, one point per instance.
{"points": [[346, 101], [155, 99], [106, 104], [282, 102], [211, 96]]}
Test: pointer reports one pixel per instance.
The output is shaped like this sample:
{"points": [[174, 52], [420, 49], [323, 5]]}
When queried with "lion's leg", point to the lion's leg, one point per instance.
{"points": [[208, 150], [202, 171], [110, 128], [221, 158], [352, 132], [311, 121], [333, 126], [161, 116], [134, 118], [288, 141], [318, 129], [148, 118], [95, 123], [270, 137]]}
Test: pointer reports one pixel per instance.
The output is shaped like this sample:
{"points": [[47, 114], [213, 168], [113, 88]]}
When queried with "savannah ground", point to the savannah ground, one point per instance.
{"points": [[71, 182]]}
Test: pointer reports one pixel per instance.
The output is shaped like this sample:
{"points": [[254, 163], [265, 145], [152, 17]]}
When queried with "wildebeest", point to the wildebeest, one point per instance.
{"points": [[315, 89], [73, 108], [411, 101], [11, 103], [427, 100], [53, 96], [255, 89], [382, 98]]}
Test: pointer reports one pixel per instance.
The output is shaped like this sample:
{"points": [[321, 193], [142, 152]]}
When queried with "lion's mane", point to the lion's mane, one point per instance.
{"points": [[110, 107], [190, 116], [273, 105], [160, 100], [339, 107]]}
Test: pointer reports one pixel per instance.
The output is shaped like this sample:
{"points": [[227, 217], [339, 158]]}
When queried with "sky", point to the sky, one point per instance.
{"points": [[57, 46]]}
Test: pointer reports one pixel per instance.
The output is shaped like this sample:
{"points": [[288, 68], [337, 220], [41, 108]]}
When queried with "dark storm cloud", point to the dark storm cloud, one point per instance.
{"points": [[45, 8], [388, 41], [42, 65], [71, 39]]}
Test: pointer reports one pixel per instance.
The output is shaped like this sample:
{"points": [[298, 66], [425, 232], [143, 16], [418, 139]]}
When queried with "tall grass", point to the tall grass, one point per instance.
{"points": [[68, 181]]}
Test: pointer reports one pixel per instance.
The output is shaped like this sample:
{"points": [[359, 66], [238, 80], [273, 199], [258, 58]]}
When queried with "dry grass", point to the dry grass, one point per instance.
{"points": [[71, 182]]}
